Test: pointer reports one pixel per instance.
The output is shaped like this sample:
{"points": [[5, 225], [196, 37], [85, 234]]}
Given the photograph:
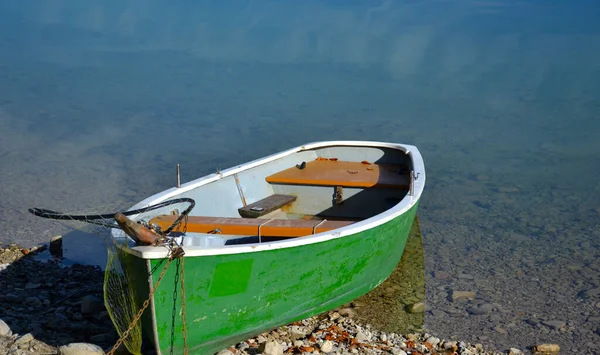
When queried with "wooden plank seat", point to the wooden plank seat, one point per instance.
{"points": [[246, 226], [266, 205], [328, 172]]}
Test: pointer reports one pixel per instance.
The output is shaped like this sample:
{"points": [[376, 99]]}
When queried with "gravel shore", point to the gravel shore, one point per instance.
{"points": [[48, 308]]}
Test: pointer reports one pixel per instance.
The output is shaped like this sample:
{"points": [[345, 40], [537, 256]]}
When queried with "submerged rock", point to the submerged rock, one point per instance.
{"points": [[462, 295], [418, 307]]}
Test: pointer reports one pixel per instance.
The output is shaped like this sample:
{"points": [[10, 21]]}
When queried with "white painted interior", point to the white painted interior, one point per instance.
{"points": [[217, 195]]}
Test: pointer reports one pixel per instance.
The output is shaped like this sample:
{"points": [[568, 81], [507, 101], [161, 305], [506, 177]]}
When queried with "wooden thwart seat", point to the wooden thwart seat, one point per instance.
{"points": [[245, 226], [266, 205], [325, 172]]}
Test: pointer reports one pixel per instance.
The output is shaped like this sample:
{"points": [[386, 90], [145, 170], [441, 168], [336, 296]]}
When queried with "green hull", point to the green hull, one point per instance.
{"points": [[232, 297]]}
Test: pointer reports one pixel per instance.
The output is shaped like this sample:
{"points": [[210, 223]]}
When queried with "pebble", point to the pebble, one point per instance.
{"points": [[590, 293], [271, 348], [44, 299], [80, 349], [4, 329], [462, 295], [24, 339], [327, 346], [547, 348], [481, 309], [442, 275], [554, 324], [433, 341], [91, 304], [76, 316], [345, 336], [418, 307], [362, 337], [500, 330]]}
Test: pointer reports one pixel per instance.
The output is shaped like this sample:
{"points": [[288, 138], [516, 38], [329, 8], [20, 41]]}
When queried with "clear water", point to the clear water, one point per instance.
{"points": [[100, 100]]}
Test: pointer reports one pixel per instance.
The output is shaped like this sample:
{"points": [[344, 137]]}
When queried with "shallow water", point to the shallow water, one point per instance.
{"points": [[99, 101]]}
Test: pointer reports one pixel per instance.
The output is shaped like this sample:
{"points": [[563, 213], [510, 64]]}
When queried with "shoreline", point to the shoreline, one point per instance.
{"points": [[49, 308]]}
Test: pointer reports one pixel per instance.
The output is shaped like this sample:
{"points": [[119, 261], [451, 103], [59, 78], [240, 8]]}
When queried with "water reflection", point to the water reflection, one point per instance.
{"points": [[78, 247]]}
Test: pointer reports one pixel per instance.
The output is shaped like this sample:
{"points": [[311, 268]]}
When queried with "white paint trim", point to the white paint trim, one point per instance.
{"points": [[150, 252], [153, 309]]}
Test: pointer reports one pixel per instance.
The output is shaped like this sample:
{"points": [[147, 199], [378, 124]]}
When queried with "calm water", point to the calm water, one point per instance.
{"points": [[100, 100]]}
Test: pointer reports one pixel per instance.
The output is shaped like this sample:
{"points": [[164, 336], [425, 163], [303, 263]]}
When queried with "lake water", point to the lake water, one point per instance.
{"points": [[100, 100]]}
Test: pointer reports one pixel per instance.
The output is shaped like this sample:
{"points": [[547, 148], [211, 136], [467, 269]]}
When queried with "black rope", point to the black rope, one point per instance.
{"points": [[45, 213]]}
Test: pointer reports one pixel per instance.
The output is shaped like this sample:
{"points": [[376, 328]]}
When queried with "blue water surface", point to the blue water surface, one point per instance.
{"points": [[100, 99]]}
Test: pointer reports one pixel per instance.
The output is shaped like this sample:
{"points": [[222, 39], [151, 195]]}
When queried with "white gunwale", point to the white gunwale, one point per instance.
{"points": [[153, 252]]}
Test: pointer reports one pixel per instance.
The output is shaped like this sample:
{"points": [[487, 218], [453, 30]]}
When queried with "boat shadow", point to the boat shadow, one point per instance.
{"points": [[398, 304], [56, 300]]}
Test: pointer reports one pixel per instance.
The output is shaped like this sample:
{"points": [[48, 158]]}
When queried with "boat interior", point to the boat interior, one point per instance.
{"points": [[300, 194]]}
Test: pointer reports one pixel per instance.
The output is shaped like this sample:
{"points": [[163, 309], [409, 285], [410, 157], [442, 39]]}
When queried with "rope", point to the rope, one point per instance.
{"points": [[45, 213], [259, 226], [318, 224]]}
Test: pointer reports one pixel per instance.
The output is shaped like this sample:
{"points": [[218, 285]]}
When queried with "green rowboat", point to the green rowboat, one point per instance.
{"points": [[273, 241]]}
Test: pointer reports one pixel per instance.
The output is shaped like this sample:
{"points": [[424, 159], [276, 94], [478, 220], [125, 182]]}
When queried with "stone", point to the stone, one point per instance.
{"points": [[362, 337], [100, 338], [80, 349], [554, 324], [225, 352], [12, 298], [462, 295], [441, 275], [547, 348], [500, 330], [412, 337], [33, 301], [418, 307], [271, 348], [481, 309], [4, 329], [347, 312], [590, 293], [327, 346], [450, 345], [91, 304], [32, 286], [24, 339], [433, 341], [296, 332], [514, 351]]}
